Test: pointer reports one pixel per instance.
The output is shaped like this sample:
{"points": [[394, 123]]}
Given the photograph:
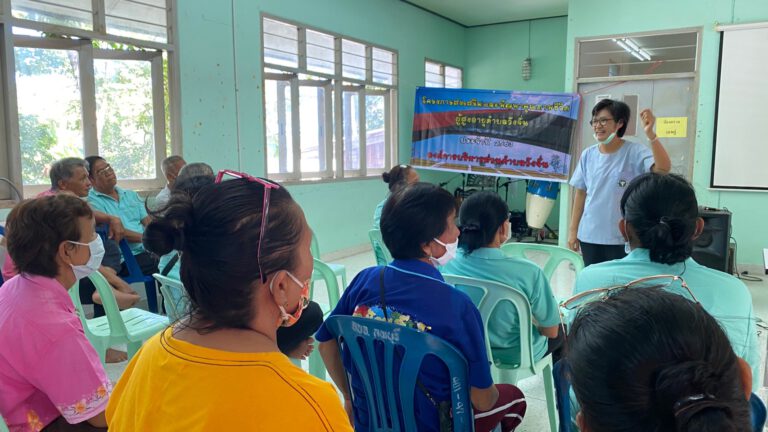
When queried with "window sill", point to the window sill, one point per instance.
{"points": [[307, 182]]}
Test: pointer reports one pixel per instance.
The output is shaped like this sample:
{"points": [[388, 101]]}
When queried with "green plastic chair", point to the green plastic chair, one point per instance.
{"points": [[487, 295], [175, 298], [383, 257], [3, 426], [338, 269], [555, 256], [325, 273], [131, 326]]}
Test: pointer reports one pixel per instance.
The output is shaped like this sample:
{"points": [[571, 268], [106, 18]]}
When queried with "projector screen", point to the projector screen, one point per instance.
{"points": [[740, 152]]}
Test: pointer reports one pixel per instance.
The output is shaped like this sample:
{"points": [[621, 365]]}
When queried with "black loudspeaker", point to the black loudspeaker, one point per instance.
{"points": [[711, 249]]}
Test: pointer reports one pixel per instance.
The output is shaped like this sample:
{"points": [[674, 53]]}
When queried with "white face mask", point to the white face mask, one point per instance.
{"points": [[509, 231], [450, 252], [96, 248], [605, 141]]}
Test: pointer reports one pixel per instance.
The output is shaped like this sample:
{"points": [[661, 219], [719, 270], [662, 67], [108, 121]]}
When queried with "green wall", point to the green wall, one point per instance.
{"points": [[494, 61], [608, 17], [221, 90]]}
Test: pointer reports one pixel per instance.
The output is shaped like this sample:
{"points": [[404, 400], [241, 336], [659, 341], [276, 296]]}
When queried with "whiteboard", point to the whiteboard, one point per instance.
{"points": [[741, 144]]}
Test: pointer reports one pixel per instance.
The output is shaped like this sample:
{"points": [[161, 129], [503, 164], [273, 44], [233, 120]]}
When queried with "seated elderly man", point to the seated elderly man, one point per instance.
{"points": [[171, 166], [126, 204]]}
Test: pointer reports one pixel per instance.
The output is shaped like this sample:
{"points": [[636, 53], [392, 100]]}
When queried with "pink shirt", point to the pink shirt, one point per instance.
{"points": [[48, 368]]}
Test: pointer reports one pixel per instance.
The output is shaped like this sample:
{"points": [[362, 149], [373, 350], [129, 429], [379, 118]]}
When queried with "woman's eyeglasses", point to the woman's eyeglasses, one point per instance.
{"points": [[268, 186], [600, 294]]}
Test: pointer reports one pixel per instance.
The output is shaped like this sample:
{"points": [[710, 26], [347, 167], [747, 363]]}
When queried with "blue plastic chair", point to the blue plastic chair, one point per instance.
{"points": [[136, 276], [758, 413], [357, 334], [487, 295]]}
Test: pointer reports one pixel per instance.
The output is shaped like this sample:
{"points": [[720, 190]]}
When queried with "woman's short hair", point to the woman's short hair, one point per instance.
{"points": [[414, 216], [397, 177], [646, 359], [619, 111], [480, 217], [217, 229], [36, 228], [662, 211]]}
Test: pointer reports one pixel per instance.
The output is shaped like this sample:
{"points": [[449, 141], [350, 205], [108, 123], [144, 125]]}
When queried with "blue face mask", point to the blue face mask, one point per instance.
{"points": [[605, 141]]}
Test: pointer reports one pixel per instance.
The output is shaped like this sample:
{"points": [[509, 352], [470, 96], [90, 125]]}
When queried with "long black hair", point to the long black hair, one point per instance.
{"points": [[480, 217], [646, 359], [662, 211], [218, 231]]}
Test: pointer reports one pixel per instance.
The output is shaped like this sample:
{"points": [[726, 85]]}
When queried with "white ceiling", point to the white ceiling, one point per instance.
{"points": [[482, 12]]}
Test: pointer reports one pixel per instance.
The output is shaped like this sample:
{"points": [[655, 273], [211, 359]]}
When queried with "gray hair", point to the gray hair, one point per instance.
{"points": [[195, 169], [64, 169], [171, 161]]}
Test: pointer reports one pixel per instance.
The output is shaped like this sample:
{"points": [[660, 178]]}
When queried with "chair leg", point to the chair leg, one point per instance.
{"points": [[549, 392], [133, 348], [316, 365], [344, 280], [151, 289]]}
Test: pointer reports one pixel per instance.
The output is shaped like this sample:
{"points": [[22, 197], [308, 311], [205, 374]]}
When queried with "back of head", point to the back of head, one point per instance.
{"points": [[36, 228], [195, 169], [480, 217], [218, 231], [661, 211], [63, 170], [649, 360], [619, 111], [414, 216], [170, 162], [397, 177]]}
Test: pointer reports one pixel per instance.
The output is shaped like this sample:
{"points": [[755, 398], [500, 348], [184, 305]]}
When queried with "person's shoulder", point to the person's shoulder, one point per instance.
{"points": [[715, 276], [590, 150]]}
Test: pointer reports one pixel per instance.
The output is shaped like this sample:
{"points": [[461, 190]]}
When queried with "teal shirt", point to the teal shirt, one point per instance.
{"points": [[377, 213], [722, 295], [503, 331], [130, 209]]}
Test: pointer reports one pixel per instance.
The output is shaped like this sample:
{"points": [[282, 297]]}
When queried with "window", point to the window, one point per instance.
{"points": [[441, 75], [86, 83], [328, 103]]}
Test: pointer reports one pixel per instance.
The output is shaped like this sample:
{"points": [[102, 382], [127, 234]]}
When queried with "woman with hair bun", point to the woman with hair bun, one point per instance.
{"points": [[396, 178], [660, 221], [485, 226], [643, 359], [246, 268]]}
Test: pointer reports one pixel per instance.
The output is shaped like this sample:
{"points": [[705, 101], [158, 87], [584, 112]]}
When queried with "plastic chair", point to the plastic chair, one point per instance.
{"points": [[338, 269], [383, 257], [3, 426], [131, 326], [136, 276], [487, 296], [758, 413], [325, 273], [175, 300], [555, 256], [358, 334]]}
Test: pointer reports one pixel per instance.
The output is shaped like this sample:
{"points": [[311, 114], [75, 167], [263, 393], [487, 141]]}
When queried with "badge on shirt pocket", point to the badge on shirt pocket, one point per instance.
{"points": [[622, 179]]}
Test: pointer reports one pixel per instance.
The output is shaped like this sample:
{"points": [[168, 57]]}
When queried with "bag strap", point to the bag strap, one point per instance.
{"points": [[383, 301], [171, 263]]}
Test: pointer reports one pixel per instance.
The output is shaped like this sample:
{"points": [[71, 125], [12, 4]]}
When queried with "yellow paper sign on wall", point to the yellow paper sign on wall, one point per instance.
{"points": [[672, 127]]}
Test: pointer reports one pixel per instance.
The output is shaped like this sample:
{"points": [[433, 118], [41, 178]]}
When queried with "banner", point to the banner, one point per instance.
{"points": [[509, 134]]}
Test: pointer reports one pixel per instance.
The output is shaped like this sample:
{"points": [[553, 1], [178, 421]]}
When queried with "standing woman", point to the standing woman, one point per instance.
{"points": [[603, 172], [397, 177]]}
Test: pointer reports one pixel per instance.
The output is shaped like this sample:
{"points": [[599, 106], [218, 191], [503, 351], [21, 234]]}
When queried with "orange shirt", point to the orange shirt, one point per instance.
{"points": [[172, 385]]}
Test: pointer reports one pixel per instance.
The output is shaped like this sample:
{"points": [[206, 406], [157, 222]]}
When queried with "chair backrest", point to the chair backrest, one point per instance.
{"points": [[134, 271], [363, 334], [554, 256], [112, 311], [331, 283], [383, 257], [3, 426], [2, 230], [487, 295], [174, 296], [757, 412], [314, 247]]}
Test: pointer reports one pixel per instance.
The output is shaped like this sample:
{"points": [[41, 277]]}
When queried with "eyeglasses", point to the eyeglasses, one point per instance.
{"points": [[268, 186], [600, 121], [104, 172], [658, 281]]}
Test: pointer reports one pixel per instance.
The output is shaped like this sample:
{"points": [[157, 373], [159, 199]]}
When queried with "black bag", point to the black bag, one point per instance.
{"points": [[443, 407]]}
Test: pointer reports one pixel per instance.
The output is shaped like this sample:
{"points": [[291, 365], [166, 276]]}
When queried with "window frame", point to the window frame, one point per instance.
{"points": [[81, 40], [336, 85], [442, 66]]}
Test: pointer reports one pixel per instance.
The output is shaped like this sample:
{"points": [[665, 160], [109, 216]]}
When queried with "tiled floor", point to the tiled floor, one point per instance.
{"points": [[536, 419]]}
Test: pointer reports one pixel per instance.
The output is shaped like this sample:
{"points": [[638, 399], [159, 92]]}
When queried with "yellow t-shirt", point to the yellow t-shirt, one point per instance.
{"points": [[172, 385]]}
